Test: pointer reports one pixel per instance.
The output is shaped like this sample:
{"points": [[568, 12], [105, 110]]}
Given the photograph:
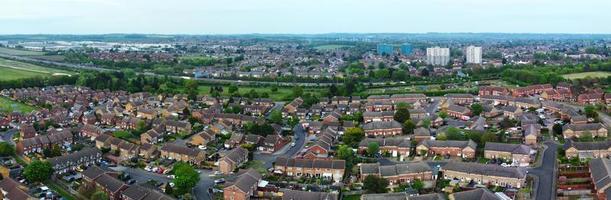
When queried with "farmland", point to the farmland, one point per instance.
{"points": [[17, 52], [12, 70], [587, 74], [282, 94]]}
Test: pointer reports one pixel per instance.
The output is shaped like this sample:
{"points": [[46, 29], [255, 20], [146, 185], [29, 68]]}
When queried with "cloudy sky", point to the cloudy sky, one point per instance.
{"points": [[303, 16]]}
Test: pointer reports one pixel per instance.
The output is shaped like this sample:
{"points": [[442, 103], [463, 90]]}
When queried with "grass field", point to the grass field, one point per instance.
{"points": [[12, 70], [282, 94], [587, 74], [9, 106], [17, 52], [331, 47]]}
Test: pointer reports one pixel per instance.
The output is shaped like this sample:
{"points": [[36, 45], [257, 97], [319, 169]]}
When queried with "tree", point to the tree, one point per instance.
{"points": [[488, 137], [408, 127], [99, 195], [276, 116], [557, 129], [38, 171], [417, 184], [191, 89], [297, 91], [454, 133], [443, 115], [476, 109], [352, 136], [345, 152], [186, 177], [402, 114], [590, 111], [426, 123], [375, 184], [233, 89], [6, 149], [373, 148]]}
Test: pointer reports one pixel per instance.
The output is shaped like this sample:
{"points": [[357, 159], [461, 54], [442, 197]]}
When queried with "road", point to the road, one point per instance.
{"points": [[287, 151], [140, 175], [200, 191], [545, 183]]}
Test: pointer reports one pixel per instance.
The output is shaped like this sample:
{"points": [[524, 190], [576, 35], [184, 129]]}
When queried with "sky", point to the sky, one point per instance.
{"points": [[303, 16]]}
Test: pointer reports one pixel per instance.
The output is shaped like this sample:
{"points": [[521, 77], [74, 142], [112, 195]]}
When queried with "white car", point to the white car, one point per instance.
{"points": [[202, 147], [292, 144]]}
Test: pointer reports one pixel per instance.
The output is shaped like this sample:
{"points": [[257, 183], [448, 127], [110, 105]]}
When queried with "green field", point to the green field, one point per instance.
{"points": [[331, 47], [9, 106], [282, 94], [18, 52], [587, 74], [12, 70]]}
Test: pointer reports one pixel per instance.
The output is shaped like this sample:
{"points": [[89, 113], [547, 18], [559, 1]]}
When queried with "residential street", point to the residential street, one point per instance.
{"points": [[546, 173], [288, 151]]}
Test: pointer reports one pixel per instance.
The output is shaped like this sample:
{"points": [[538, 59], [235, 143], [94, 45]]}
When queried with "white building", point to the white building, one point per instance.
{"points": [[474, 55], [437, 56]]}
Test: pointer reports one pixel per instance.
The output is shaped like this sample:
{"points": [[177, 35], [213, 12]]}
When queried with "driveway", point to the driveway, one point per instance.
{"points": [[200, 191], [545, 182]]}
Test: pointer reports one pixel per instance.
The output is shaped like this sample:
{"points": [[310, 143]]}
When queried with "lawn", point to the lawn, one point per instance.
{"points": [[281, 95], [9, 74], [9, 106], [18, 52], [587, 74]]}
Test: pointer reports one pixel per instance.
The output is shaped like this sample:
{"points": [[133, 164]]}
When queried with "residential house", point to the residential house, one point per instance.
{"points": [[70, 162], [452, 148], [517, 153], [578, 130], [398, 173], [485, 174], [202, 138], [306, 195], [584, 150], [182, 153], [382, 128], [396, 146], [243, 187], [136, 192], [600, 173], [233, 160], [12, 190], [378, 116], [272, 143], [325, 168], [459, 112]]}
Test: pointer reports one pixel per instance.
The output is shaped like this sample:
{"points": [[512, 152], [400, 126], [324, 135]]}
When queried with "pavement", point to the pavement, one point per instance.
{"points": [[545, 182]]}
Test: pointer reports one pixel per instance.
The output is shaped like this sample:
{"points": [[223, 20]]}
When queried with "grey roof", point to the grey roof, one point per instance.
{"points": [[310, 163], [109, 182], [304, 195], [600, 169], [382, 125], [237, 155], [396, 169], [76, 156], [504, 147], [422, 131], [449, 143], [476, 194], [137, 192], [590, 145], [390, 141], [402, 196], [485, 169], [583, 127], [378, 114], [246, 180]]}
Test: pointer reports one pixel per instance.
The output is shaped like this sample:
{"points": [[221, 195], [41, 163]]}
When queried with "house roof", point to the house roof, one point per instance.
{"points": [[382, 125], [402, 196], [305, 195], [485, 169], [395, 169], [449, 143], [390, 141], [476, 194], [245, 180], [504, 147]]}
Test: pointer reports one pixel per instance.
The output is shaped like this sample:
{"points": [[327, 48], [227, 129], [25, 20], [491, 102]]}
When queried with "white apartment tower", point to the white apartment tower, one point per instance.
{"points": [[474, 55], [438, 56]]}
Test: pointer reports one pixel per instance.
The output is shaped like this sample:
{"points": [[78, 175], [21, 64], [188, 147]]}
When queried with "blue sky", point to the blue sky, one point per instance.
{"points": [[304, 16]]}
